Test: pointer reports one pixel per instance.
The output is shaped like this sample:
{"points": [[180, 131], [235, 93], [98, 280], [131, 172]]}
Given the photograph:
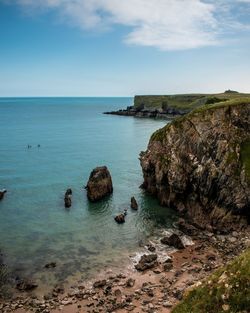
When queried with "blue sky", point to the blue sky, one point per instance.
{"points": [[122, 48]]}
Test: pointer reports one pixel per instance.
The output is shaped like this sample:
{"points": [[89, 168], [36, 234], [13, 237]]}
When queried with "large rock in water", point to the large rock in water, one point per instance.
{"points": [[199, 164], [99, 184]]}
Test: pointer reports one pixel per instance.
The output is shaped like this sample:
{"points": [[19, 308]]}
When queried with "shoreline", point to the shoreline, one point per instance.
{"points": [[154, 290], [144, 113]]}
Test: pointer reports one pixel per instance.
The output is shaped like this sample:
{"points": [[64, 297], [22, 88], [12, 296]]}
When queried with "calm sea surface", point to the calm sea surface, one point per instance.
{"points": [[75, 137]]}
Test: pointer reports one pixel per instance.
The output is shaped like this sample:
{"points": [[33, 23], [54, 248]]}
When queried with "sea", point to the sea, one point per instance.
{"points": [[69, 137]]}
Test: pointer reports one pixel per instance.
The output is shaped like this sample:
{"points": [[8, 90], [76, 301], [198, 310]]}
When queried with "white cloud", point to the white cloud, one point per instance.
{"points": [[165, 24]]}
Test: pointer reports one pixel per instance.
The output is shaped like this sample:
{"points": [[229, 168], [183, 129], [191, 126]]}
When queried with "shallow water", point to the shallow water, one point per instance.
{"points": [[75, 137]]}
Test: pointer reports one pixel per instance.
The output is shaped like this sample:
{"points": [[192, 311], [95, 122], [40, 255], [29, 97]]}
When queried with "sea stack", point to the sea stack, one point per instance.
{"points": [[199, 164], [133, 204], [99, 184]]}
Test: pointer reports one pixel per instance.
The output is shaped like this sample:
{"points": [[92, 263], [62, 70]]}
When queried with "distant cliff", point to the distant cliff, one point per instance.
{"points": [[169, 106], [200, 164]]}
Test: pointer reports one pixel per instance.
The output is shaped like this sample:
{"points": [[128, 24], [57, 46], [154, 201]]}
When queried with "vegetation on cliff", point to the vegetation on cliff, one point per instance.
{"points": [[199, 164], [227, 290], [186, 102]]}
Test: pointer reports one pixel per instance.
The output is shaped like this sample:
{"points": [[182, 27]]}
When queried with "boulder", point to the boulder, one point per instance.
{"points": [[100, 283], [99, 184], [134, 204], [2, 193], [120, 218], [146, 261], [174, 241]]}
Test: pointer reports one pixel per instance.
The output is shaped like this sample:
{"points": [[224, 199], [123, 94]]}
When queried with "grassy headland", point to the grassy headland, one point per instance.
{"points": [[186, 102]]}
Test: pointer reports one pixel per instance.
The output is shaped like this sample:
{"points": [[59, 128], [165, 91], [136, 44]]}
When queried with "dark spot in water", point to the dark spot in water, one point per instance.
{"points": [[84, 251]]}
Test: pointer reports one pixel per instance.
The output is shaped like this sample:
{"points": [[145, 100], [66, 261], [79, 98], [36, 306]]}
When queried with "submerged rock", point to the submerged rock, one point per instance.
{"points": [[146, 261], [173, 241], [50, 265], [26, 285], [99, 184], [120, 218], [198, 164], [134, 204], [67, 198], [2, 193]]}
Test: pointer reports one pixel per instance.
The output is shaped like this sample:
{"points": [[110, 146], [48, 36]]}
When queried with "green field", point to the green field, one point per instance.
{"points": [[185, 102]]}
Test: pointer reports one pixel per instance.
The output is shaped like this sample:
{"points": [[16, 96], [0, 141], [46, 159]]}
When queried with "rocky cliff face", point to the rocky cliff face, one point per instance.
{"points": [[199, 164]]}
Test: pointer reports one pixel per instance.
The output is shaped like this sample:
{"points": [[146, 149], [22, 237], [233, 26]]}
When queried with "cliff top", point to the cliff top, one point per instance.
{"points": [[186, 102], [159, 134]]}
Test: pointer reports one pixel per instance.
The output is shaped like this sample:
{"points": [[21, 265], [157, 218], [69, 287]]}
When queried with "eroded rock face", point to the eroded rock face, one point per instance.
{"points": [[99, 184], [197, 164]]}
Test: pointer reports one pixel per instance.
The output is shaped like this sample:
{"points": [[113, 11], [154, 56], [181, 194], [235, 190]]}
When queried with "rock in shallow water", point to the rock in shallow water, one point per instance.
{"points": [[120, 218], [26, 285], [174, 241], [134, 204], [99, 184], [146, 261]]}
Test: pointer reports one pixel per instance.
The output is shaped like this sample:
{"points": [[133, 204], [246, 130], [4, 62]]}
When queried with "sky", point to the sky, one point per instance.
{"points": [[123, 47]]}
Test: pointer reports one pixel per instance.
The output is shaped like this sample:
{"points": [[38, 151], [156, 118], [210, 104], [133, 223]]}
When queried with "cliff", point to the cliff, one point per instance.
{"points": [[169, 106], [199, 164]]}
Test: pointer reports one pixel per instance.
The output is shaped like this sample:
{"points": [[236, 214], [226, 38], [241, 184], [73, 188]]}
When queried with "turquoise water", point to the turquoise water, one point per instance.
{"points": [[75, 137]]}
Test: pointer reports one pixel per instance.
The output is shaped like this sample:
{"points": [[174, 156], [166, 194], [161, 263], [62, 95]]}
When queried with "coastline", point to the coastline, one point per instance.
{"points": [[154, 290]]}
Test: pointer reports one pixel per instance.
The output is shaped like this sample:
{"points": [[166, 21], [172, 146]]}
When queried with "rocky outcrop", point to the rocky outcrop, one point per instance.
{"points": [[150, 113], [199, 164], [99, 184], [133, 204], [120, 218], [146, 261], [173, 241]]}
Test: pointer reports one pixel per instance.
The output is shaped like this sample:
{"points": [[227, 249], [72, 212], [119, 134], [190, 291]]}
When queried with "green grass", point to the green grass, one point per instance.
{"points": [[186, 102], [159, 135], [227, 290]]}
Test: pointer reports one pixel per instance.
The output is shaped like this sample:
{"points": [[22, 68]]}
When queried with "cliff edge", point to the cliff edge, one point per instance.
{"points": [[200, 165]]}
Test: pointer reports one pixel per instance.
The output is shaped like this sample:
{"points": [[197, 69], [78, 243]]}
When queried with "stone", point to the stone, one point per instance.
{"points": [[99, 184], [26, 285], [146, 261], [130, 282], [50, 265], [100, 283], [151, 248], [134, 204], [173, 241], [120, 218]]}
